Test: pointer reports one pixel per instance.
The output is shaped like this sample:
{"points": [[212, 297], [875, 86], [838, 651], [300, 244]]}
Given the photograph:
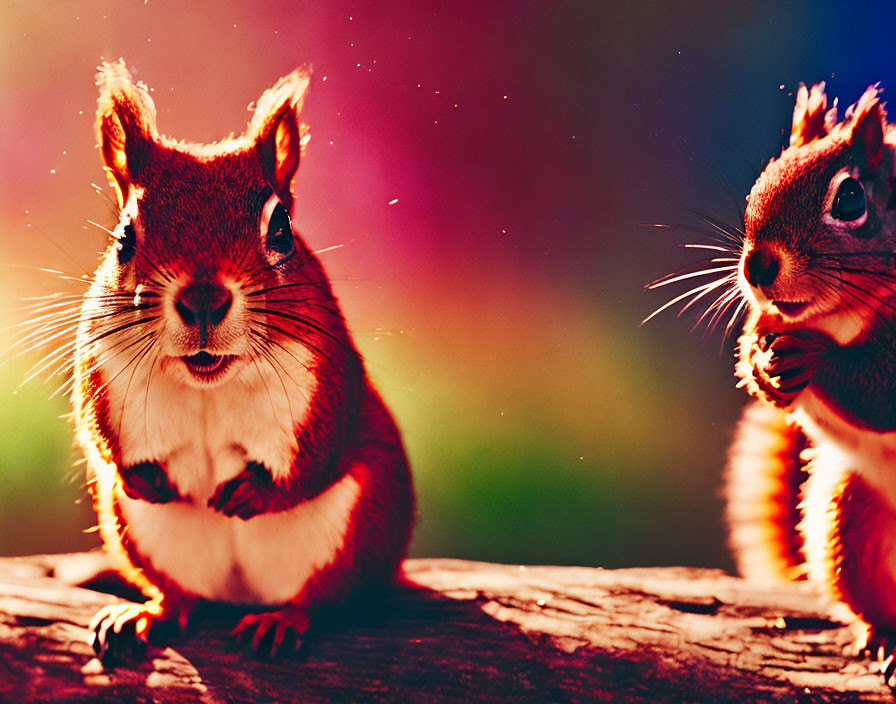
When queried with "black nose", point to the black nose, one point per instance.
{"points": [[761, 268], [203, 303]]}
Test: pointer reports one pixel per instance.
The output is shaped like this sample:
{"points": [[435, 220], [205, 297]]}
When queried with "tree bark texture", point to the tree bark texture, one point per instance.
{"points": [[456, 632]]}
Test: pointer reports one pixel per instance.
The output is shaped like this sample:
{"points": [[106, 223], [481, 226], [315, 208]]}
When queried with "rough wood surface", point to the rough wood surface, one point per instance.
{"points": [[471, 632]]}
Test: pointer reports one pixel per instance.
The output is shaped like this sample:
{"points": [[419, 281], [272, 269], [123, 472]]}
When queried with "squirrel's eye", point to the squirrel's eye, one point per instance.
{"points": [[127, 244], [849, 203], [279, 237]]}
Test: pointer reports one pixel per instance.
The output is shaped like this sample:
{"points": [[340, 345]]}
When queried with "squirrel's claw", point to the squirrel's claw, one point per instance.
{"points": [[119, 630], [289, 625], [879, 644]]}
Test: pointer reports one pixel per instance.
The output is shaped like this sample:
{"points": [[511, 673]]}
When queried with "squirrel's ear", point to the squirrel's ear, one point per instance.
{"points": [[125, 126], [809, 115], [868, 123], [277, 134]]}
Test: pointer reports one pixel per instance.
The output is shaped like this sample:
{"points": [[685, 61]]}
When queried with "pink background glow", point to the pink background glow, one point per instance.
{"points": [[498, 300]]}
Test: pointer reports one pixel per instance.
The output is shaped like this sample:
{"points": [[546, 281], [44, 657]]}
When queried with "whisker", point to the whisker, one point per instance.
{"points": [[328, 249], [261, 291], [268, 390], [725, 229], [674, 278], [703, 289], [270, 341], [718, 307], [717, 248], [301, 320], [101, 227], [734, 316], [292, 336], [106, 333], [135, 360]]}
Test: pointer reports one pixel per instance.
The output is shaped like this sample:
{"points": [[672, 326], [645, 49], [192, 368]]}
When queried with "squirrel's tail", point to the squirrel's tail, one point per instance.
{"points": [[762, 495]]}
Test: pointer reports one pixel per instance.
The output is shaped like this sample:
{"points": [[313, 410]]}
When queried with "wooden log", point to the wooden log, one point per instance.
{"points": [[467, 632]]}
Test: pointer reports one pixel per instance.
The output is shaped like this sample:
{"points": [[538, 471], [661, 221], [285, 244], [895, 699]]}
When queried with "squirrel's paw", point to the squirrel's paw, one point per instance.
{"points": [[879, 644], [120, 630], [147, 481], [788, 363], [273, 629], [249, 493]]}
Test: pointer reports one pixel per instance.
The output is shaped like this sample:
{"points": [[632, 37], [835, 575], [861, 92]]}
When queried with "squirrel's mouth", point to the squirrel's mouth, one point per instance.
{"points": [[206, 366], [791, 308]]}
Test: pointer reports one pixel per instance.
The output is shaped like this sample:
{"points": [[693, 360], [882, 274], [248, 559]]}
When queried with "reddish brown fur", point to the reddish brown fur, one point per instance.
{"points": [[763, 489], [199, 208], [862, 535], [840, 386]]}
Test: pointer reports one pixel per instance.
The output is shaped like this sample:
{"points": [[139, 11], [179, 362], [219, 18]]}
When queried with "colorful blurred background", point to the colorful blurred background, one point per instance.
{"points": [[483, 170]]}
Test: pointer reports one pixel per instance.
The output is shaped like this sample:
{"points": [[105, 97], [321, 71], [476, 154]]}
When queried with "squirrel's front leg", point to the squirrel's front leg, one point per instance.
{"points": [[251, 492], [124, 628], [147, 481], [374, 542], [849, 531]]}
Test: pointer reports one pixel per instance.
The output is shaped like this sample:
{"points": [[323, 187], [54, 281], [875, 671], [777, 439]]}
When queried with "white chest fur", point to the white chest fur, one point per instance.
{"points": [[205, 437], [870, 454], [842, 447]]}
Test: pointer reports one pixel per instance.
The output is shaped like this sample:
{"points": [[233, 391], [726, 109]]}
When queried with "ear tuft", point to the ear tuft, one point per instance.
{"points": [[809, 115], [125, 126], [868, 121], [277, 134]]}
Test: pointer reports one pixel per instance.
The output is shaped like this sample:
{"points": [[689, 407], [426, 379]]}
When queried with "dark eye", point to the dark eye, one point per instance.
{"points": [[279, 237], [127, 243], [849, 203]]}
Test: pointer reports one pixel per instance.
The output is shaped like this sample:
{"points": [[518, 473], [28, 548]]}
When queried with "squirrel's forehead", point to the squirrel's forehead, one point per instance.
{"points": [[171, 170], [175, 189], [799, 177]]}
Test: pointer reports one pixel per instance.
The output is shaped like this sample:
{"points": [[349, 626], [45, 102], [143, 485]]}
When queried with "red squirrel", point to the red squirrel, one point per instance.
{"points": [[809, 489], [236, 450]]}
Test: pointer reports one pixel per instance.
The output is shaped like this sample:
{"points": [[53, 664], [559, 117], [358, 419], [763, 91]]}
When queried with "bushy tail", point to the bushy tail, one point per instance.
{"points": [[762, 494]]}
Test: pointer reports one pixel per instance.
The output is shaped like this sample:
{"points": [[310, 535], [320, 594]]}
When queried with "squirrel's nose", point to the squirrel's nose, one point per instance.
{"points": [[761, 268], [203, 303]]}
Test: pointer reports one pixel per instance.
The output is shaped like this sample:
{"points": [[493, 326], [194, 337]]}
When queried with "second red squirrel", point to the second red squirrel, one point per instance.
{"points": [[236, 450], [811, 483]]}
